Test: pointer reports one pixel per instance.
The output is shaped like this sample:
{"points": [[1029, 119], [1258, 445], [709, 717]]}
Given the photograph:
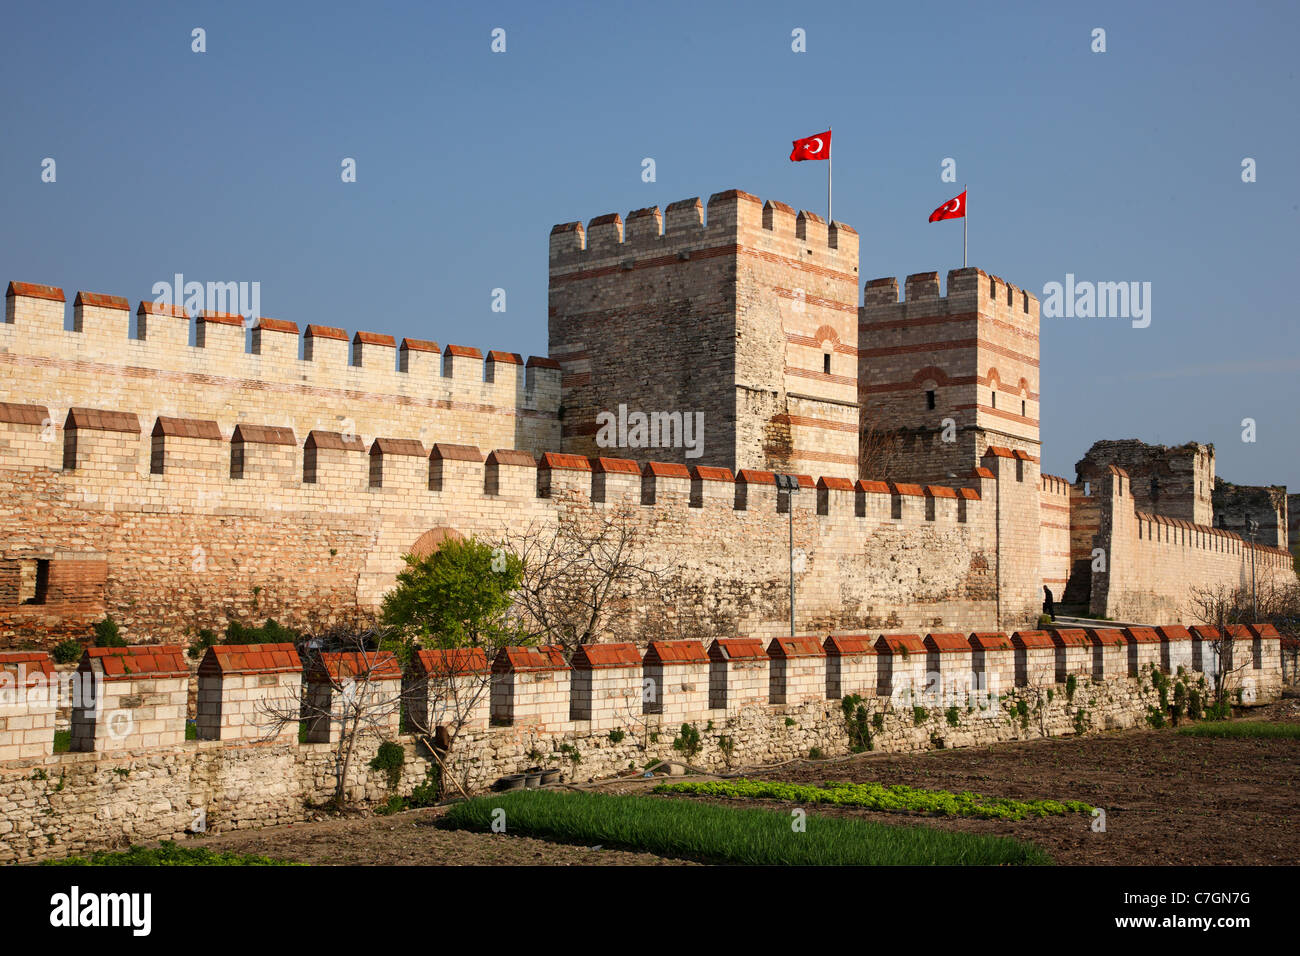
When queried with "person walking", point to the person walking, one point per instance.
{"points": [[1049, 606]]}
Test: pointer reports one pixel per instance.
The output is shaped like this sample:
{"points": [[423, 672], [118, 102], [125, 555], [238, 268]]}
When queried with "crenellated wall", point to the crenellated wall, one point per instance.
{"points": [[1054, 535], [365, 384], [1155, 565], [766, 704], [266, 522]]}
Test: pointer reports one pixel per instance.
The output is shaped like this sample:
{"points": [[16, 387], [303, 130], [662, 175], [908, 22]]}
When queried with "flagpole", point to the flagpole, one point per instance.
{"points": [[830, 158], [964, 220]]}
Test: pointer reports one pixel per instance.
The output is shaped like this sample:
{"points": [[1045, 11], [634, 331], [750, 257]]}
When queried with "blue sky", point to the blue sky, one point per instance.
{"points": [[1115, 166]]}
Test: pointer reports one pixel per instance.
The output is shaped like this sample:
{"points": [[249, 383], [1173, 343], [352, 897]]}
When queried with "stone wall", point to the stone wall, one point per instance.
{"points": [[971, 357], [1156, 565], [358, 388], [1235, 505], [189, 548], [1175, 482], [53, 805], [1055, 552]]}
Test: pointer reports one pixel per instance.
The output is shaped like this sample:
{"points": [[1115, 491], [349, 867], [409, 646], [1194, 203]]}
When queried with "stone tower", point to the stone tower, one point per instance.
{"points": [[948, 376], [746, 318]]}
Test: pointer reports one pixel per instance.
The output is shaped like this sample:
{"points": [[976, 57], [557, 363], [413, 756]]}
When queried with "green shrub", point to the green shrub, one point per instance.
{"points": [[107, 634], [394, 804], [62, 741], [390, 758], [430, 792], [920, 715], [725, 835], [66, 652], [688, 741], [856, 724], [815, 753], [616, 736], [953, 715], [1071, 685]]}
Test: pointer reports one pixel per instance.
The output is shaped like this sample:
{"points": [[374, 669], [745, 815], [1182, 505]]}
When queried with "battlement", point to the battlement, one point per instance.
{"points": [[970, 357], [964, 287], [1055, 485], [113, 446], [324, 378], [742, 312], [733, 215]]}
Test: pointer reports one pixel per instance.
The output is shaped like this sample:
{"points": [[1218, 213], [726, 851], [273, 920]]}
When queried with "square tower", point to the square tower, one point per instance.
{"points": [[746, 323], [943, 378]]}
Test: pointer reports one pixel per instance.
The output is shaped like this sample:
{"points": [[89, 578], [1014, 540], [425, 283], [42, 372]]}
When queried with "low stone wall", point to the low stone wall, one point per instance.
{"points": [[72, 803], [75, 803]]}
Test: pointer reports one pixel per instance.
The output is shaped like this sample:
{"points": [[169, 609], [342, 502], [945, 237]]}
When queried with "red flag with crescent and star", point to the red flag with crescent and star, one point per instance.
{"points": [[812, 147], [952, 209]]}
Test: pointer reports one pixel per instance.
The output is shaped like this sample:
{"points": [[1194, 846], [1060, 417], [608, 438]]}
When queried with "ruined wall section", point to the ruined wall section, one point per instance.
{"points": [[1177, 482], [1267, 506]]}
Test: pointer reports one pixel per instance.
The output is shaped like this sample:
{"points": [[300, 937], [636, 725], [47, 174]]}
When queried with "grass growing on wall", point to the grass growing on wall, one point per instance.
{"points": [[875, 796], [169, 854], [1245, 728], [713, 834]]}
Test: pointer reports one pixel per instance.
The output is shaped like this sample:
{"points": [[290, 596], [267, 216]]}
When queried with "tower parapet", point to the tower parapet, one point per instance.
{"points": [[947, 375], [746, 316]]}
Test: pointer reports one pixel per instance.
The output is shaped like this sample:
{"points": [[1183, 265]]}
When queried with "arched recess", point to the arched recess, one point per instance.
{"points": [[432, 540]]}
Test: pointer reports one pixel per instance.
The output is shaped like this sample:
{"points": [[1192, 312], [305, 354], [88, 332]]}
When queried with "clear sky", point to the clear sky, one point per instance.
{"points": [[1115, 166]]}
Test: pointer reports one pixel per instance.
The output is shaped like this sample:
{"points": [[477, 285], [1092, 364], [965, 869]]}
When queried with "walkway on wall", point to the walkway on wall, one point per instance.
{"points": [[1086, 622]]}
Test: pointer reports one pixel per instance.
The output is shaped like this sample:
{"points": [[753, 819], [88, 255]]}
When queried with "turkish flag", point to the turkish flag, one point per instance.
{"points": [[952, 209], [812, 147]]}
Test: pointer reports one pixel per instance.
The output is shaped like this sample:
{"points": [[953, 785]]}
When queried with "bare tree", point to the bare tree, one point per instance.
{"points": [[449, 689], [1223, 608], [580, 573], [350, 690], [880, 453]]}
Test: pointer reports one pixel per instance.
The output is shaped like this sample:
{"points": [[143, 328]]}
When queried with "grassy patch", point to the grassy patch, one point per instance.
{"points": [[875, 796], [713, 834], [169, 854], [1245, 728]]}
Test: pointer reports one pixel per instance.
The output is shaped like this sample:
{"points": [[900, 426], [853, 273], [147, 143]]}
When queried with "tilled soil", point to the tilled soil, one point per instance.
{"points": [[1169, 799], [411, 839]]}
